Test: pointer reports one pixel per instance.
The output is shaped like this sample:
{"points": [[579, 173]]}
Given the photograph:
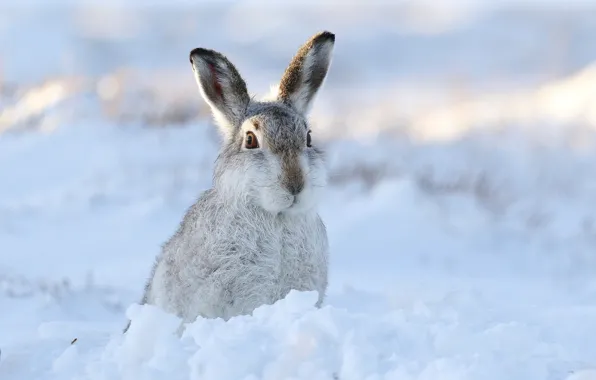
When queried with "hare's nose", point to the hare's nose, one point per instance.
{"points": [[295, 187]]}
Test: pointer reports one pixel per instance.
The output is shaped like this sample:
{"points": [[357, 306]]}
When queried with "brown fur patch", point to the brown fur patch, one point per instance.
{"points": [[293, 178], [293, 76]]}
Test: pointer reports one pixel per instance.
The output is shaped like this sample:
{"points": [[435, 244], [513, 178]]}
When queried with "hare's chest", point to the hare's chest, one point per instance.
{"points": [[302, 256]]}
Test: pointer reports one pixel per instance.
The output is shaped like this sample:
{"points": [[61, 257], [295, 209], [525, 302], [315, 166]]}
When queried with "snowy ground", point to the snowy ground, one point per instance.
{"points": [[462, 244]]}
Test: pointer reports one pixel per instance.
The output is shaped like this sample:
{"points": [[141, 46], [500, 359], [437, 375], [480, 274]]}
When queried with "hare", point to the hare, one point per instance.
{"points": [[256, 234]]}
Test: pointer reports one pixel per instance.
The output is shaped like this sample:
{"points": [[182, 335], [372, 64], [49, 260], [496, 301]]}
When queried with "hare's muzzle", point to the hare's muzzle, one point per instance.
{"points": [[292, 175]]}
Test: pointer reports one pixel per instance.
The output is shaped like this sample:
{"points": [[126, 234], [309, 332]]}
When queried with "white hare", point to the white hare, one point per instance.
{"points": [[255, 235]]}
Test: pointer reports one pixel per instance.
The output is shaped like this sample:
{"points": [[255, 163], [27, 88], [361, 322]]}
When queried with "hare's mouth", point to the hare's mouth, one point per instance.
{"points": [[290, 202], [296, 205]]}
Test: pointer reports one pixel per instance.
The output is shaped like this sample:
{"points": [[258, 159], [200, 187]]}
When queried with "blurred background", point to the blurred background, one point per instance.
{"points": [[460, 139], [411, 67]]}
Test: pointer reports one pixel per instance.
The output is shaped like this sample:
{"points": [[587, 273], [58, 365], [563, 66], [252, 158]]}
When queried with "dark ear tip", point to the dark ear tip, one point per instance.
{"points": [[200, 52], [324, 37]]}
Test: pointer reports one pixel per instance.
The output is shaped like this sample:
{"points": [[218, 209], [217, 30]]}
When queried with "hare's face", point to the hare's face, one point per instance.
{"points": [[279, 164], [269, 156]]}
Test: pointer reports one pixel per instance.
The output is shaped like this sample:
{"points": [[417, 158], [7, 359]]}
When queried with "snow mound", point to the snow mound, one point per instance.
{"points": [[294, 340]]}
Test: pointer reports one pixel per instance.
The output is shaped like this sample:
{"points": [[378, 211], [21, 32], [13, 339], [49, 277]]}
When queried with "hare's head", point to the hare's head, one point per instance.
{"points": [[268, 157]]}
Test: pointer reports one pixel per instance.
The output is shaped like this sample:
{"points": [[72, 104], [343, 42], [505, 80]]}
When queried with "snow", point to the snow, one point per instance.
{"points": [[462, 227]]}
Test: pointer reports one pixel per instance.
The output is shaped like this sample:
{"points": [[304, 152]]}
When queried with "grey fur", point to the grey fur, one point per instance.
{"points": [[256, 234], [307, 71], [221, 85]]}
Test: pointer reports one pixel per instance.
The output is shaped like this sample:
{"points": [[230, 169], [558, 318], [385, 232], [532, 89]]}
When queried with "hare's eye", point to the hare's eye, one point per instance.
{"points": [[308, 142], [251, 141]]}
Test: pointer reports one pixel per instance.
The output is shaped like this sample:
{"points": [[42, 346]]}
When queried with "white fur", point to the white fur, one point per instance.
{"points": [[247, 241], [279, 246], [199, 275]]}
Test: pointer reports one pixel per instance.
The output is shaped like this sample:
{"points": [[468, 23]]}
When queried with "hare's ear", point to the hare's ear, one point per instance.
{"points": [[222, 87], [306, 72]]}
